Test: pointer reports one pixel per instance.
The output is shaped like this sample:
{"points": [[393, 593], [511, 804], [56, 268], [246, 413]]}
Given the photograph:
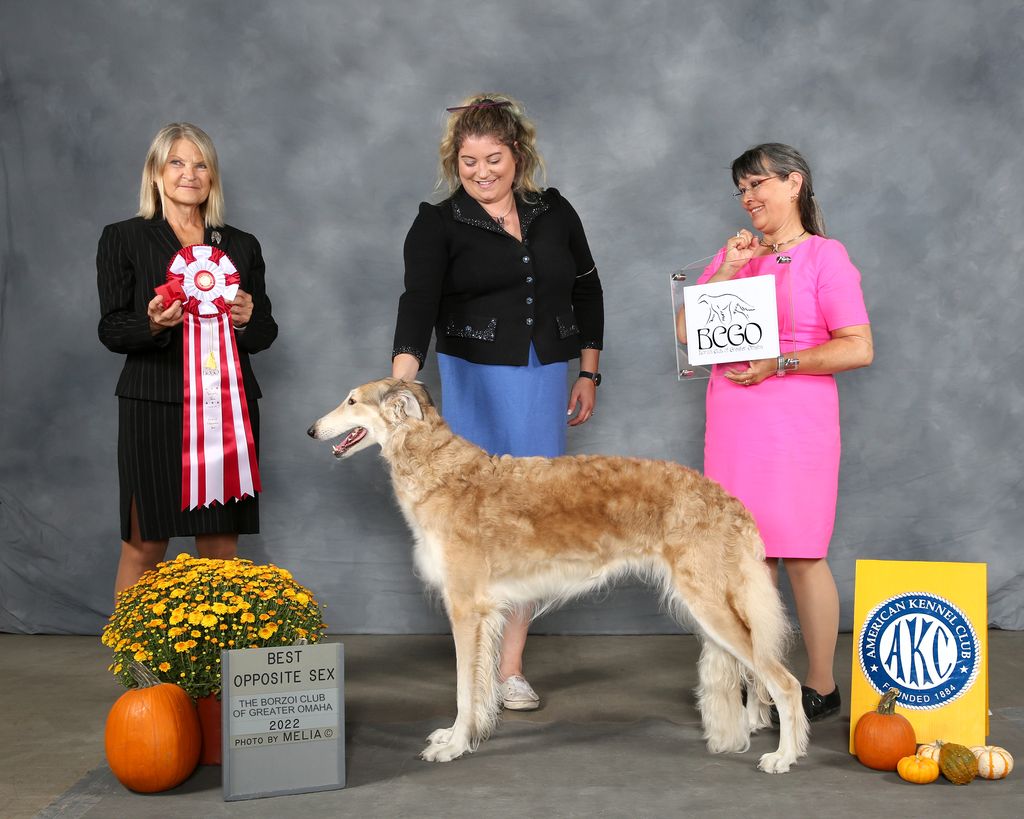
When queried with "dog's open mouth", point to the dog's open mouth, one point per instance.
{"points": [[353, 438]]}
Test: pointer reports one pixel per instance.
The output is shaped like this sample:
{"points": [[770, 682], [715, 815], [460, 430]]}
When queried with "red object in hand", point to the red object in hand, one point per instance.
{"points": [[171, 292]]}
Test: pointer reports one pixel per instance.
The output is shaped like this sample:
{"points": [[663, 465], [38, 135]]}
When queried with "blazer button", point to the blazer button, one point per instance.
{"points": [[529, 321], [529, 299], [529, 279], [526, 259]]}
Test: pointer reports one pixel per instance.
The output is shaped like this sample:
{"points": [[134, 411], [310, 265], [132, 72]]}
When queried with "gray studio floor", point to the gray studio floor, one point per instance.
{"points": [[618, 736]]}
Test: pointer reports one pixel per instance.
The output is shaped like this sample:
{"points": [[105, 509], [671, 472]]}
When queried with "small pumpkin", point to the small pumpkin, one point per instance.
{"points": [[918, 769], [930, 751], [882, 737], [957, 763], [993, 762], [152, 735]]}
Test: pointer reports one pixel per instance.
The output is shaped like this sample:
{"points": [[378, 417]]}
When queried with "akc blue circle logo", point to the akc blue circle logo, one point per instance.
{"points": [[921, 644]]}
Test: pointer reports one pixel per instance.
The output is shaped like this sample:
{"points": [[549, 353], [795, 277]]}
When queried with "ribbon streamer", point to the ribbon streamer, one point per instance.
{"points": [[218, 451]]}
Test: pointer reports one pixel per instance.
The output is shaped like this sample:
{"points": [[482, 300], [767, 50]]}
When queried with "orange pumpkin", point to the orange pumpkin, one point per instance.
{"points": [[882, 737], [918, 769], [152, 736]]}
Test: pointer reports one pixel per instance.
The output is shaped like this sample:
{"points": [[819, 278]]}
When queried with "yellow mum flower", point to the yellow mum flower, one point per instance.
{"points": [[248, 617], [302, 598], [219, 608], [195, 618], [267, 630], [164, 666], [159, 608], [209, 621], [181, 647]]}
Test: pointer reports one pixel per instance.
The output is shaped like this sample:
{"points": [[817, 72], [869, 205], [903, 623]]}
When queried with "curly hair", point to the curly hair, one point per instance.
{"points": [[504, 119]]}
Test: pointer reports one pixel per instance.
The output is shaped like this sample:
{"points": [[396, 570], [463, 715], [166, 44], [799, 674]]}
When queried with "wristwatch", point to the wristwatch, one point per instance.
{"points": [[595, 377], [785, 365]]}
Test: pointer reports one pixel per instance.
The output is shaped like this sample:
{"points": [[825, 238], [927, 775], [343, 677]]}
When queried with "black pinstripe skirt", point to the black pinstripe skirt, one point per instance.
{"points": [[149, 469]]}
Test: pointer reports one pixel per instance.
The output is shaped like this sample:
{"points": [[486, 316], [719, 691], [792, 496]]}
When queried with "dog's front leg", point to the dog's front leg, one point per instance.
{"points": [[447, 744]]}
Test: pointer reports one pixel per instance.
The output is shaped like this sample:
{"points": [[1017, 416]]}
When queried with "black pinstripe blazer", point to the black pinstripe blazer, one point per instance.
{"points": [[131, 260]]}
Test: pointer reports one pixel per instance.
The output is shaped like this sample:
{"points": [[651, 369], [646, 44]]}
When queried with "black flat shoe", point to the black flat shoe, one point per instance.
{"points": [[816, 706]]}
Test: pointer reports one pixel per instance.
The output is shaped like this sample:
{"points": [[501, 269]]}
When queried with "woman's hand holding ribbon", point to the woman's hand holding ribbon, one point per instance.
{"points": [[241, 309], [161, 319]]}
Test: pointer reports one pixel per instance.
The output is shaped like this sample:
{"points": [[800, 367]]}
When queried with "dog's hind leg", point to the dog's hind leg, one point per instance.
{"points": [[718, 698], [758, 702], [762, 608], [476, 636]]}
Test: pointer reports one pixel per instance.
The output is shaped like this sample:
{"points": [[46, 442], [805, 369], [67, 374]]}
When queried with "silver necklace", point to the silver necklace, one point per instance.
{"points": [[501, 219], [776, 245]]}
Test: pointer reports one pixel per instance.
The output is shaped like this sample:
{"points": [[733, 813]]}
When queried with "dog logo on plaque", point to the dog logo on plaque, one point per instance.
{"points": [[922, 644]]}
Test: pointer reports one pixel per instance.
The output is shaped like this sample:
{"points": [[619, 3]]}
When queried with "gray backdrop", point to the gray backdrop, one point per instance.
{"points": [[327, 115]]}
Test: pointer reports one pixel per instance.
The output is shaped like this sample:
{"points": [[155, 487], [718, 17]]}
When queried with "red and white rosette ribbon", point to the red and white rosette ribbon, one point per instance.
{"points": [[217, 449]]}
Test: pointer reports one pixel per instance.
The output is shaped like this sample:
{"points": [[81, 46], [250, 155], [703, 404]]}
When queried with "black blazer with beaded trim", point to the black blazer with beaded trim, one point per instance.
{"points": [[487, 296], [131, 260]]}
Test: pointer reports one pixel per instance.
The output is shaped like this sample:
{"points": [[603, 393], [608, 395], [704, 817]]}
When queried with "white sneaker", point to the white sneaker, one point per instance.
{"points": [[518, 695]]}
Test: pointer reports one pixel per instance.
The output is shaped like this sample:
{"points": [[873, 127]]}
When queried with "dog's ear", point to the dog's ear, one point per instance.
{"points": [[401, 404]]}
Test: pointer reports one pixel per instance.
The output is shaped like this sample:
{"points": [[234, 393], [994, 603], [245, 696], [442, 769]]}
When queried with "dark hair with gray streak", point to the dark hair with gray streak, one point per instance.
{"points": [[776, 159]]}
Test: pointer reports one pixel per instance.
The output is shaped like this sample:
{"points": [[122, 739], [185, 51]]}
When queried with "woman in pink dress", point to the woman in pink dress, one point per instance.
{"points": [[772, 436]]}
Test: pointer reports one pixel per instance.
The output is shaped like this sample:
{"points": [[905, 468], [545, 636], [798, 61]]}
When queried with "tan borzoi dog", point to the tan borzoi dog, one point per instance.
{"points": [[497, 533]]}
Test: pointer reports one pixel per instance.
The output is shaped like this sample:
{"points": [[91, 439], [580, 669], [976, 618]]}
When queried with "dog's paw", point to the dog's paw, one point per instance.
{"points": [[445, 752], [442, 736], [775, 762]]}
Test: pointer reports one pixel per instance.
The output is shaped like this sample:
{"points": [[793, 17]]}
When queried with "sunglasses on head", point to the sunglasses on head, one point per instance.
{"points": [[481, 104]]}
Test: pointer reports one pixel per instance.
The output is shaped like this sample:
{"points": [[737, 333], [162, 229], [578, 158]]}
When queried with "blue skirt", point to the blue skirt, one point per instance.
{"points": [[507, 410]]}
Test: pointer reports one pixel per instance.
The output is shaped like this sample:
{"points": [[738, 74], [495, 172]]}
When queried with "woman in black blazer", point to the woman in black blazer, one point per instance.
{"points": [[502, 275], [181, 204]]}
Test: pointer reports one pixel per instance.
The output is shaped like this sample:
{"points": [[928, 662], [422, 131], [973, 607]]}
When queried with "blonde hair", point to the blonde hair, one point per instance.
{"points": [[508, 124], [151, 191]]}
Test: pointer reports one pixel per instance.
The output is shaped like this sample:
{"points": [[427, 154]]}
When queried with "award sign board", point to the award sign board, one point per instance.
{"points": [[283, 717], [921, 627], [731, 321]]}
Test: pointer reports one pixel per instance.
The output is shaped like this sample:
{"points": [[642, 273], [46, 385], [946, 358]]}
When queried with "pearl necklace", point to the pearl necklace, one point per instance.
{"points": [[776, 245]]}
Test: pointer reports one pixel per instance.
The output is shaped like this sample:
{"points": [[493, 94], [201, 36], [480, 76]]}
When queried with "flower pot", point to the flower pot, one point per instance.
{"points": [[209, 723]]}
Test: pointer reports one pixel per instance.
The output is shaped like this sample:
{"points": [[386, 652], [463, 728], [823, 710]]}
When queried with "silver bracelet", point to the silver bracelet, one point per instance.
{"points": [[785, 365]]}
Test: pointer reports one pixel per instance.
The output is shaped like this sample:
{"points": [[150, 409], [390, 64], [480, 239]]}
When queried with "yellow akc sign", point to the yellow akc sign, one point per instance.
{"points": [[921, 627]]}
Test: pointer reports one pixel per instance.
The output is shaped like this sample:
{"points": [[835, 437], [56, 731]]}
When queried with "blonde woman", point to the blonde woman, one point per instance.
{"points": [[181, 203], [501, 274]]}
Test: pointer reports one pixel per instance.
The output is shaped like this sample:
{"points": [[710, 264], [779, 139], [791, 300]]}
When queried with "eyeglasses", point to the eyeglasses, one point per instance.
{"points": [[481, 104], [757, 183]]}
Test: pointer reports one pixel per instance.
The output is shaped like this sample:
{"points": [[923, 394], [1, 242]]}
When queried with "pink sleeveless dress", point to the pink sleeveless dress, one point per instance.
{"points": [[775, 446]]}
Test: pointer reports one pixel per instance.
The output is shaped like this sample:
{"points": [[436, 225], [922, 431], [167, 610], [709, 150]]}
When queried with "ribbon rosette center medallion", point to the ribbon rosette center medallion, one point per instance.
{"points": [[218, 452]]}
